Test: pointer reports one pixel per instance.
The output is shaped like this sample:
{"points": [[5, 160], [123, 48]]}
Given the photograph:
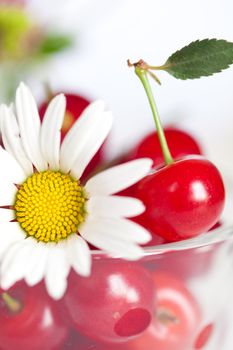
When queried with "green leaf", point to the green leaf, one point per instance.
{"points": [[54, 43], [200, 58]]}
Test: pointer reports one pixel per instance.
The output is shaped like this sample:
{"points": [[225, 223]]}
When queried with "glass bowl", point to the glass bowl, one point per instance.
{"points": [[176, 297]]}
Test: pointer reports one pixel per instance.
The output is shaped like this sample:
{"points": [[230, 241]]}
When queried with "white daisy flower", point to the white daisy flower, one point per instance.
{"points": [[46, 215]]}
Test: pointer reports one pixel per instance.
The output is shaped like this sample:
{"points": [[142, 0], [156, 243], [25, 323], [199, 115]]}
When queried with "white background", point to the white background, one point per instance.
{"points": [[108, 32]]}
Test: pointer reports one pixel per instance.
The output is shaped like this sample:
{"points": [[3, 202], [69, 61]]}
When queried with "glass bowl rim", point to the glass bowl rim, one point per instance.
{"points": [[216, 236]]}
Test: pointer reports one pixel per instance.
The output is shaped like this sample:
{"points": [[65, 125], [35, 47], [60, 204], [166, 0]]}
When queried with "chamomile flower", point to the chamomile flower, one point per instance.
{"points": [[47, 215]]}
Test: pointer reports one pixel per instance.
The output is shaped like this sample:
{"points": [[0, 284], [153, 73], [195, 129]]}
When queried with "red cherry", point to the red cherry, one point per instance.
{"points": [[114, 304], [75, 105], [183, 199], [179, 142], [33, 324], [176, 317], [177, 311]]}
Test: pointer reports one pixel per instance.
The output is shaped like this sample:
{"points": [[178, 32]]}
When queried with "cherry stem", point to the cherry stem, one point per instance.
{"points": [[12, 304], [142, 74], [163, 67]]}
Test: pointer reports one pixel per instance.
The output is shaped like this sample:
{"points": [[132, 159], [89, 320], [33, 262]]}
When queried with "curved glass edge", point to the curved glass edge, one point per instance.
{"points": [[206, 239]]}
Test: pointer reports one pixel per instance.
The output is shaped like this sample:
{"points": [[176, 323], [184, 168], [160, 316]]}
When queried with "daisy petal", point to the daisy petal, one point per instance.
{"points": [[57, 271], [11, 139], [34, 272], [14, 263], [78, 138], [10, 232], [114, 206], [113, 246], [117, 228], [79, 255], [29, 126], [11, 171], [93, 143], [119, 177], [51, 130], [7, 193], [6, 215]]}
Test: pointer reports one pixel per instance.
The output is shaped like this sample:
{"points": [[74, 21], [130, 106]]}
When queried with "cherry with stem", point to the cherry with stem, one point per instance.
{"points": [[185, 197]]}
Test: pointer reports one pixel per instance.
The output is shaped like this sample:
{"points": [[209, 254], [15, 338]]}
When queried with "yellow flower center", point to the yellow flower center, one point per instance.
{"points": [[50, 206]]}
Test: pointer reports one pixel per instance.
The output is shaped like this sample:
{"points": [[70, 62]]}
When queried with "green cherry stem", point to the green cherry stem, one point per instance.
{"points": [[142, 74], [12, 304], [163, 67]]}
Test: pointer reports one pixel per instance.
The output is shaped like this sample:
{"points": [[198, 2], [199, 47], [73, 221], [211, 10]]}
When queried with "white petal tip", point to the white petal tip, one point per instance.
{"points": [[31, 282], [146, 162], [143, 236], [57, 293], [22, 85], [99, 103], [60, 97], [139, 207], [135, 254], [84, 273], [57, 296], [147, 238], [22, 88], [7, 283]]}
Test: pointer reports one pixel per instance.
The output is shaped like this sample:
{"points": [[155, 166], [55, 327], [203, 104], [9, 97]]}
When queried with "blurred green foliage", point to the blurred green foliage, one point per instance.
{"points": [[54, 43], [14, 27], [25, 45]]}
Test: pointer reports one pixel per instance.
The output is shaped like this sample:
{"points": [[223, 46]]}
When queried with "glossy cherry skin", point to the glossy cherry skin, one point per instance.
{"points": [[114, 304], [38, 325], [176, 317], [183, 199], [179, 142], [75, 105]]}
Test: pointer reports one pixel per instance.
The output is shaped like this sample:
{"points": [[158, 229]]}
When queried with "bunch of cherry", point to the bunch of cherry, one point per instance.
{"points": [[130, 305]]}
